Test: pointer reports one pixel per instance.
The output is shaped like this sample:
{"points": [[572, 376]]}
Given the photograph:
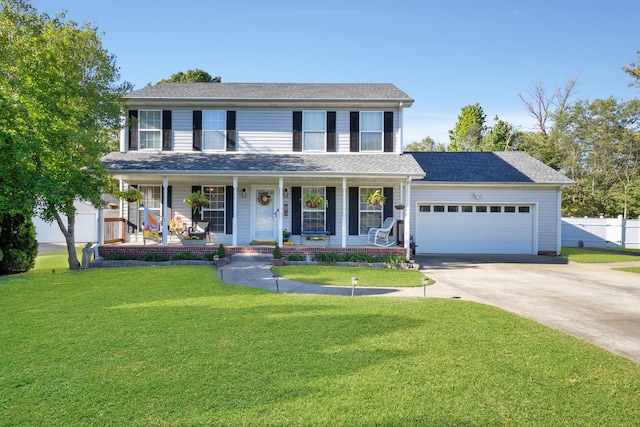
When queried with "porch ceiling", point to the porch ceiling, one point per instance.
{"points": [[152, 163]]}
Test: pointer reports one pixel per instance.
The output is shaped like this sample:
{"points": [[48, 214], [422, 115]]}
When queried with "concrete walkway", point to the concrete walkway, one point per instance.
{"points": [[254, 270]]}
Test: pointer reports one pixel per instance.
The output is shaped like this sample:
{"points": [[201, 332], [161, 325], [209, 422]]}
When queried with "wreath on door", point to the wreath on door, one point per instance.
{"points": [[264, 198]]}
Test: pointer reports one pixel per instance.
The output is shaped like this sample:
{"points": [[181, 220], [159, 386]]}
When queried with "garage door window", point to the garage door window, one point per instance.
{"points": [[523, 209], [495, 209], [438, 208], [467, 209], [481, 209], [509, 209]]}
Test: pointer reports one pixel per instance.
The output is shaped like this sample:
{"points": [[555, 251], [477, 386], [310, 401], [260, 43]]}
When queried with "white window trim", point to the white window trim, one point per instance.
{"points": [[224, 132], [381, 150], [305, 208], [324, 132], [140, 131]]}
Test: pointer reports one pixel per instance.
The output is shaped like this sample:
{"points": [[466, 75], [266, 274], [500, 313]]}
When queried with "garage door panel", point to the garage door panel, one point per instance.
{"points": [[475, 232]]}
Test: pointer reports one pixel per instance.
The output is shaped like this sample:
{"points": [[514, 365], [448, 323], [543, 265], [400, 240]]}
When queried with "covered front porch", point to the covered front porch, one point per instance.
{"points": [[257, 201]]}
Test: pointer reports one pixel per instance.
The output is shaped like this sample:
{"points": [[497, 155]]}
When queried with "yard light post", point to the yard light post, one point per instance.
{"points": [[425, 280], [276, 277], [354, 282]]}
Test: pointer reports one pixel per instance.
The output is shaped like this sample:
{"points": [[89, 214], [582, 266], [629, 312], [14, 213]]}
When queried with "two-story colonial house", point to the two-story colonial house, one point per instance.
{"points": [[257, 150]]}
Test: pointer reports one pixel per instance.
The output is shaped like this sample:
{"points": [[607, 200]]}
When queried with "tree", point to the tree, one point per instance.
{"points": [[602, 144], [192, 76], [634, 71], [469, 129], [60, 106], [541, 105], [427, 144], [500, 137]]}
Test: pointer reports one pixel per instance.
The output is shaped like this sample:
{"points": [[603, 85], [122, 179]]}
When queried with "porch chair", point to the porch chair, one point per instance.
{"points": [[380, 236], [199, 229]]}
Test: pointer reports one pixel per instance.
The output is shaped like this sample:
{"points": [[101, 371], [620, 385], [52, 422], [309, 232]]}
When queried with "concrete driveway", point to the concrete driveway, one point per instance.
{"points": [[589, 301]]}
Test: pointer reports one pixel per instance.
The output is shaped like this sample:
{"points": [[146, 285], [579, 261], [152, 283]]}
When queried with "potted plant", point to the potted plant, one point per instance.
{"points": [[277, 256], [196, 201], [131, 195], [285, 235], [400, 207], [375, 197], [222, 255], [315, 201], [192, 241]]}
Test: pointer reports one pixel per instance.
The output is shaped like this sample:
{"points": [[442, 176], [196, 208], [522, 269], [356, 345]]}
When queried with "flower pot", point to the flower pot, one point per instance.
{"points": [[277, 262], [313, 205], [316, 243]]}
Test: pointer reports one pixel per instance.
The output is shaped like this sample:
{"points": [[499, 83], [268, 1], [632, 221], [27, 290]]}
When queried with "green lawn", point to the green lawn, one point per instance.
{"points": [[341, 276], [588, 256], [173, 346]]}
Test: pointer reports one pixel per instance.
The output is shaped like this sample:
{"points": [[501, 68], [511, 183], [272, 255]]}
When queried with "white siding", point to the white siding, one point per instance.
{"points": [[264, 131], [182, 125], [546, 200]]}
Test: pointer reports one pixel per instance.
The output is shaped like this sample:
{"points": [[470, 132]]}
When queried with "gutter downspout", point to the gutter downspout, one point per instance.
{"points": [[165, 211], [234, 221], [407, 219], [279, 211], [400, 127]]}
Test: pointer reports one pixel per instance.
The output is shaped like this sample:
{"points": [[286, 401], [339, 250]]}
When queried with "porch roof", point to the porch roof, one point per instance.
{"points": [[242, 164]]}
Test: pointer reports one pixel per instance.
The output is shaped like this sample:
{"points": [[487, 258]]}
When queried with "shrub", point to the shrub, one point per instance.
{"points": [[328, 257], [393, 259], [18, 244], [295, 257], [357, 257], [277, 254], [183, 256], [222, 252], [118, 256], [209, 256], [152, 257]]}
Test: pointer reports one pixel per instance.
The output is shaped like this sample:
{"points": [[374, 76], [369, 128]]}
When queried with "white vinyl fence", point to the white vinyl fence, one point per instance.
{"points": [[601, 232]]}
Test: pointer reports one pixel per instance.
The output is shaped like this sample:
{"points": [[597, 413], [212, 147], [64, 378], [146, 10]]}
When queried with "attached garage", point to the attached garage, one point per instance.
{"points": [[462, 228], [486, 203]]}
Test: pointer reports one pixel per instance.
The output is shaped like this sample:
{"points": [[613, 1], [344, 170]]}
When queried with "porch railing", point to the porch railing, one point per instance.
{"points": [[114, 230]]}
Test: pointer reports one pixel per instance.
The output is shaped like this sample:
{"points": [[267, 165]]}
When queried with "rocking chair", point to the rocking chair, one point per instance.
{"points": [[380, 236]]}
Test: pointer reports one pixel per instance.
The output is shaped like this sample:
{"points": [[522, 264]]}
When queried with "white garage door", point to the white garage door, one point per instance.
{"points": [[474, 229], [86, 229]]}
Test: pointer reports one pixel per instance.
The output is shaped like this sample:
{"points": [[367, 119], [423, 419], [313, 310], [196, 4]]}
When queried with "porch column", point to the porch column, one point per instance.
{"points": [[280, 220], [165, 211], [344, 212], [100, 226], [407, 218], [234, 220]]}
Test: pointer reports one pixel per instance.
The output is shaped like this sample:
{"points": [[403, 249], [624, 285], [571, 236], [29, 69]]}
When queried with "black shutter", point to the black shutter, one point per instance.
{"points": [[331, 131], [388, 131], [196, 216], [168, 197], [354, 131], [231, 131], [197, 131], [297, 131], [228, 218], [133, 130], [166, 130], [354, 209], [388, 204], [331, 210], [296, 210]]}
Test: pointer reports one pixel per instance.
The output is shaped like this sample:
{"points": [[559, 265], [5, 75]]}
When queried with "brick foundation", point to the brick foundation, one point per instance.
{"points": [[135, 251]]}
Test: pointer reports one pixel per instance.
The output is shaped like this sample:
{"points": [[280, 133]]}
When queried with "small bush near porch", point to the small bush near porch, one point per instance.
{"points": [[175, 346]]}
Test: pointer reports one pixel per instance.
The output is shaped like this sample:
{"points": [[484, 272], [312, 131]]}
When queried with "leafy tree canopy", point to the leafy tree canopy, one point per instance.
{"points": [[634, 71], [60, 105], [468, 131], [192, 76], [427, 144]]}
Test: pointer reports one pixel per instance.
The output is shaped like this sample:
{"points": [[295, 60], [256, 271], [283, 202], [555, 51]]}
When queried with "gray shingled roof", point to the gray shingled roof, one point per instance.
{"points": [[274, 91], [328, 164], [495, 167]]}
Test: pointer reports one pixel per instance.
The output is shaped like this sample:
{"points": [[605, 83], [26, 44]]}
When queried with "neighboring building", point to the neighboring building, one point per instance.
{"points": [[256, 150]]}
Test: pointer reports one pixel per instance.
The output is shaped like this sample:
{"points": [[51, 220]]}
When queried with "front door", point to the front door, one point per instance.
{"points": [[264, 216]]}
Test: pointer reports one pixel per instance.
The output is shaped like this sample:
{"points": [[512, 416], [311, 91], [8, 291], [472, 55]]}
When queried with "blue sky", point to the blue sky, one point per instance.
{"points": [[444, 54]]}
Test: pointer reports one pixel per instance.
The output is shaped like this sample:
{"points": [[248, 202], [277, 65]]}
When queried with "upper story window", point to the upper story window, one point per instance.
{"points": [[214, 125], [314, 126], [150, 129], [371, 131]]}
